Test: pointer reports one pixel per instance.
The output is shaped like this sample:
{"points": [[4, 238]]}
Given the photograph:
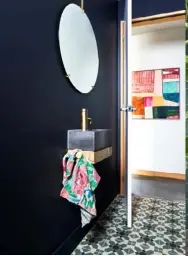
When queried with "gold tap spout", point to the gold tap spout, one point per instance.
{"points": [[85, 119]]}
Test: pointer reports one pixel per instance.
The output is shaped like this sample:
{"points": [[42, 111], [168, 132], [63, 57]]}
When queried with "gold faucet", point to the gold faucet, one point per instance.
{"points": [[85, 119]]}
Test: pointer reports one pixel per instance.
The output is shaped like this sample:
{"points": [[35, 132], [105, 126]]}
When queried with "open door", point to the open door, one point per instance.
{"points": [[126, 109]]}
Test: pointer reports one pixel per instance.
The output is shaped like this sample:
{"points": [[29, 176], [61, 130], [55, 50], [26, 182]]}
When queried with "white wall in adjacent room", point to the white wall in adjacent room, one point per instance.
{"points": [[159, 145]]}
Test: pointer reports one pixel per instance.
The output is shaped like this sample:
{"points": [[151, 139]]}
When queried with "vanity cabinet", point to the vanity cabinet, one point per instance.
{"points": [[144, 8]]}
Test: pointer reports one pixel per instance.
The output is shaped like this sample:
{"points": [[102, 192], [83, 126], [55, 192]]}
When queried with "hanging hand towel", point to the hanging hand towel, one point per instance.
{"points": [[80, 179]]}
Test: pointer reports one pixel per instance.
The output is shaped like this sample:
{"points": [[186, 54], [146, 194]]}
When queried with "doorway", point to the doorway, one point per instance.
{"points": [[158, 154]]}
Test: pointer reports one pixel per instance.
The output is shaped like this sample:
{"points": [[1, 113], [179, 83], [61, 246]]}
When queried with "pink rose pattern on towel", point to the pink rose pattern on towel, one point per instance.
{"points": [[80, 179]]}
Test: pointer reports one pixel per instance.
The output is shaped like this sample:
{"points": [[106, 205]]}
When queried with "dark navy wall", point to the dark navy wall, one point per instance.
{"points": [[142, 8], [121, 6], [38, 106], [153, 7]]}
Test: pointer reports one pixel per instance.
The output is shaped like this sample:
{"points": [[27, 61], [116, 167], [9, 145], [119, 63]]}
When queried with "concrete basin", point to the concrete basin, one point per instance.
{"points": [[90, 140]]}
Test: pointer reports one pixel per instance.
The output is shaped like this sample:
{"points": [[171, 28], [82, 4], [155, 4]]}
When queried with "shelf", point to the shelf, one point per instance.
{"points": [[97, 156], [146, 28], [160, 18]]}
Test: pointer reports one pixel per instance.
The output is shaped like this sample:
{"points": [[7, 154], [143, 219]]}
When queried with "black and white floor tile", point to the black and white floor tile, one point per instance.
{"points": [[158, 229]]}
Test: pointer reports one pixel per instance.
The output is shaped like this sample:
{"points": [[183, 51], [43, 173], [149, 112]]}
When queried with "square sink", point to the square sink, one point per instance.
{"points": [[90, 140]]}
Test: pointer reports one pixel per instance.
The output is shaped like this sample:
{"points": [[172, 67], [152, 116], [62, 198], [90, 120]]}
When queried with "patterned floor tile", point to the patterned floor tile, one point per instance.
{"points": [[144, 248], [158, 229]]}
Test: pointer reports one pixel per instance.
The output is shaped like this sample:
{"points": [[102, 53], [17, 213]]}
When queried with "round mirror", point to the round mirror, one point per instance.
{"points": [[78, 48]]}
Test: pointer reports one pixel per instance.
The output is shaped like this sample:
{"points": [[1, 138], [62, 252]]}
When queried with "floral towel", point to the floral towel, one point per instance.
{"points": [[80, 179]]}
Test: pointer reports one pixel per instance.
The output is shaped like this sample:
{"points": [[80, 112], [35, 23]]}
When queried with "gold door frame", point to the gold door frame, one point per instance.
{"points": [[122, 103]]}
